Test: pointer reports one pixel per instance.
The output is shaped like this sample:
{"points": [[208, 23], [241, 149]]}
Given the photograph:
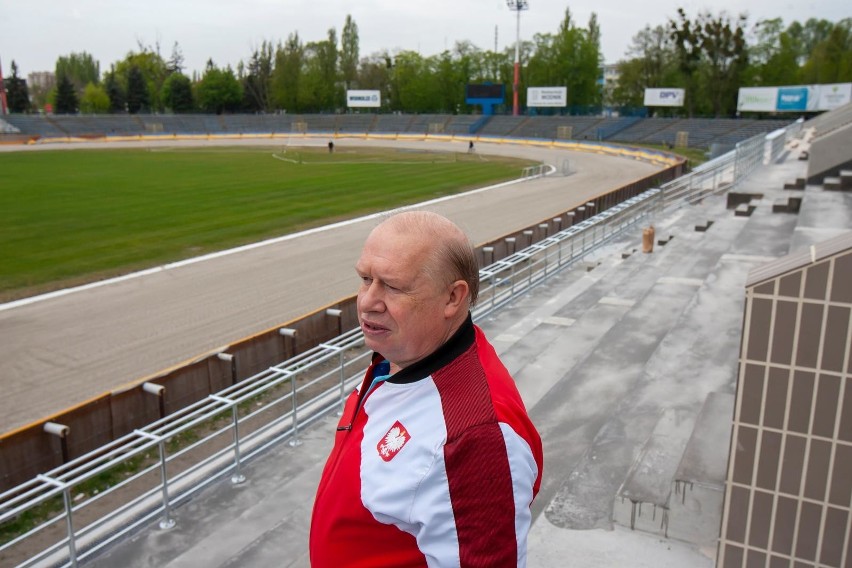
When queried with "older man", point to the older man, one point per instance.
{"points": [[435, 461]]}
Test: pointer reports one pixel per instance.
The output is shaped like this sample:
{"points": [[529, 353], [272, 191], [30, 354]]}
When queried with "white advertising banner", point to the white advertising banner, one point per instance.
{"points": [[547, 96], [794, 98], [664, 97], [757, 99], [363, 99], [834, 95]]}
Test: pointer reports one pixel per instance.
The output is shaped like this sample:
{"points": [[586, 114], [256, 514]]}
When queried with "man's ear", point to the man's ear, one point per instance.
{"points": [[458, 299]]}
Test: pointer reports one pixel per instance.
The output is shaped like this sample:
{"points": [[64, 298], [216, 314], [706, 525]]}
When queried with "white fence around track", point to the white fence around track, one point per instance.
{"points": [[155, 468]]}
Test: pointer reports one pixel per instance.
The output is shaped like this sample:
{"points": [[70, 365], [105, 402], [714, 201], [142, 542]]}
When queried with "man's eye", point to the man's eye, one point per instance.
{"points": [[366, 280]]}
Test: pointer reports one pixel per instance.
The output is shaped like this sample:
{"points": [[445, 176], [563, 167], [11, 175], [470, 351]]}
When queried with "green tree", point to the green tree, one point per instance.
{"points": [[138, 97], [374, 73], [177, 93], [66, 96], [115, 91], [686, 38], [774, 58], [219, 90], [831, 59], [80, 69], [257, 82], [349, 53], [154, 72], [725, 57], [287, 75], [94, 100], [319, 89], [17, 94]]}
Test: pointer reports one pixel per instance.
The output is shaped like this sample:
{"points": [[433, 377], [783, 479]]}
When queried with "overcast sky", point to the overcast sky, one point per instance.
{"points": [[35, 33]]}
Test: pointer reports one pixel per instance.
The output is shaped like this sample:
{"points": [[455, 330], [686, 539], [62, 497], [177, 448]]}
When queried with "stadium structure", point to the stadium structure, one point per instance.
{"points": [[695, 400]]}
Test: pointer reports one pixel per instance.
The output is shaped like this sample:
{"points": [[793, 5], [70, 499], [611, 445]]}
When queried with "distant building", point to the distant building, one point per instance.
{"points": [[607, 80], [44, 80]]}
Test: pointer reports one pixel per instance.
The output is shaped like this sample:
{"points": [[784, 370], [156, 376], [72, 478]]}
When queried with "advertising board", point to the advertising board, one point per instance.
{"points": [[362, 99], [794, 98], [547, 96], [664, 97]]}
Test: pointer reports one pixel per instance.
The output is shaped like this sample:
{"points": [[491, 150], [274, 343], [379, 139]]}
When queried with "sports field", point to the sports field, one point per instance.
{"points": [[68, 217]]}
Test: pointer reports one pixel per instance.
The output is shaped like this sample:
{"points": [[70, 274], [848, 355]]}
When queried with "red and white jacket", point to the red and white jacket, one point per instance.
{"points": [[436, 465]]}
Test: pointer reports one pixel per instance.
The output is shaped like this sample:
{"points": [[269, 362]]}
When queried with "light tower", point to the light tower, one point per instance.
{"points": [[518, 6]]}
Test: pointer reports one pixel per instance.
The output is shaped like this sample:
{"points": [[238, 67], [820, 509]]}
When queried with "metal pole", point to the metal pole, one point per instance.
{"points": [[294, 441], [238, 477], [72, 545], [342, 380], [516, 83], [167, 522]]}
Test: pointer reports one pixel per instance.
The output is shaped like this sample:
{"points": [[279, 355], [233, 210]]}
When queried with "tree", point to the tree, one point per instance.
{"points": [[80, 69], [686, 38], [287, 75], [17, 94], [774, 57], [138, 98], [175, 62], [153, 70], [94, 100], [66, 97], [349, 52], [831, 58], [115, 92], [177, 93], [257, 83], [725, 55], [219, 90], [319, 90]]}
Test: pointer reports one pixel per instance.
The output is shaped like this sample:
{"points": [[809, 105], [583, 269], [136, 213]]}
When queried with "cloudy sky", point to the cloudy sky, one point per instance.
{"points": [[34, 34]]}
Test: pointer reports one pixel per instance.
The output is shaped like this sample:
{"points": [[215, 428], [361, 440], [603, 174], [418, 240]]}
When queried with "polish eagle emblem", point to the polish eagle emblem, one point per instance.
{"points": [[392, 442]]}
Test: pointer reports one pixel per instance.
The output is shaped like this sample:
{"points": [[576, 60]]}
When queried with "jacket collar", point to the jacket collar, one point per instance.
{"points": [[461, 340]]}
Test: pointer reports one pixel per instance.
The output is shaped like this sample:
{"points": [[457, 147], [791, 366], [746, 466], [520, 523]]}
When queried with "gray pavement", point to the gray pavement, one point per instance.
{"points": [[65, 349], [603, 358]]}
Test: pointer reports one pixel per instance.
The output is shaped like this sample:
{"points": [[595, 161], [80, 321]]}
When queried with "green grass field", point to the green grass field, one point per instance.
{"points": [[69, 217]]}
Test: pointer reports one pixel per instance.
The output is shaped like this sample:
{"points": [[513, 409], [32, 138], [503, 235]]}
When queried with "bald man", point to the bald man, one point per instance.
{"points": [[435, 460]]}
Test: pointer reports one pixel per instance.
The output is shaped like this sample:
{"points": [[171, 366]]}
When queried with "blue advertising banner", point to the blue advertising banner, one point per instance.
{"points": [[792, 99]]}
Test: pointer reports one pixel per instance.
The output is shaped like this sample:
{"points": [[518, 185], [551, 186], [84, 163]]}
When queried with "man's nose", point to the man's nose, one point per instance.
{"points": [[371, 298]]}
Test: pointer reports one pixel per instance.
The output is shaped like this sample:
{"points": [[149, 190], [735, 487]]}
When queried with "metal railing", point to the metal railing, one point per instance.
{"points": [[163, 464]]}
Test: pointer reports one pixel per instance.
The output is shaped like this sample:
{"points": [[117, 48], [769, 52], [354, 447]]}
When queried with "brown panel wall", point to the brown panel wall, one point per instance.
{"points": [[790, 470]]}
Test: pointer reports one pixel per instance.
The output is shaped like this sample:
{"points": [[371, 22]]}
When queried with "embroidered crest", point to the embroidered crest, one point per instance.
{"points": [[393, 441]]}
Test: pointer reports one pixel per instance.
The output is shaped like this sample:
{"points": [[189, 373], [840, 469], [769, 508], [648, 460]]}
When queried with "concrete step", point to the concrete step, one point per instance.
{"points": [[831, 183], [698, 488], [642, 501]]}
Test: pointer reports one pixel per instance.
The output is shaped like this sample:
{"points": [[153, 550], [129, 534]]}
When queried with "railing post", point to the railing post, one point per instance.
{"points": [[69, 523], [167, 522], [342, 380], [237, 477], [294, 441]]}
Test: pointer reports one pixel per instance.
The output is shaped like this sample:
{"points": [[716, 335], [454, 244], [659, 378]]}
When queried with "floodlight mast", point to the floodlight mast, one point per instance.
{"points": [[518, 6]]}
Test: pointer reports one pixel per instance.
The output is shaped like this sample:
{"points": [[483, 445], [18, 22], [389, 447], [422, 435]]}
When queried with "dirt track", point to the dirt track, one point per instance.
{"points": [[62, 350]]}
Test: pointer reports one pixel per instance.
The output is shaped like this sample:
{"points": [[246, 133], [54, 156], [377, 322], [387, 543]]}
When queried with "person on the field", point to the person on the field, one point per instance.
{"points": [[435, 460]]}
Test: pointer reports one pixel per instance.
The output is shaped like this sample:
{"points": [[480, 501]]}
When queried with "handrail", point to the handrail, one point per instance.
{"points": [[277, 403]]}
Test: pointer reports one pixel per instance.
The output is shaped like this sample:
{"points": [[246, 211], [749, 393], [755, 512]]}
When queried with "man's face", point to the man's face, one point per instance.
{"points": [[402, 310]]}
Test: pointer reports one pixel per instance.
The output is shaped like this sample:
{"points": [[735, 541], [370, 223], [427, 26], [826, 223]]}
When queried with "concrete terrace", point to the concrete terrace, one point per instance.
{"points": [[627, 365]]}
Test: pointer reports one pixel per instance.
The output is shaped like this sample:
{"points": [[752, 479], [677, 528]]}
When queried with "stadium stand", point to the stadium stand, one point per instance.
{"points": [[461, 123], [700, 132], [392, 123], [426, 123], [6, 128], [502, 125], [356, 123]]}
